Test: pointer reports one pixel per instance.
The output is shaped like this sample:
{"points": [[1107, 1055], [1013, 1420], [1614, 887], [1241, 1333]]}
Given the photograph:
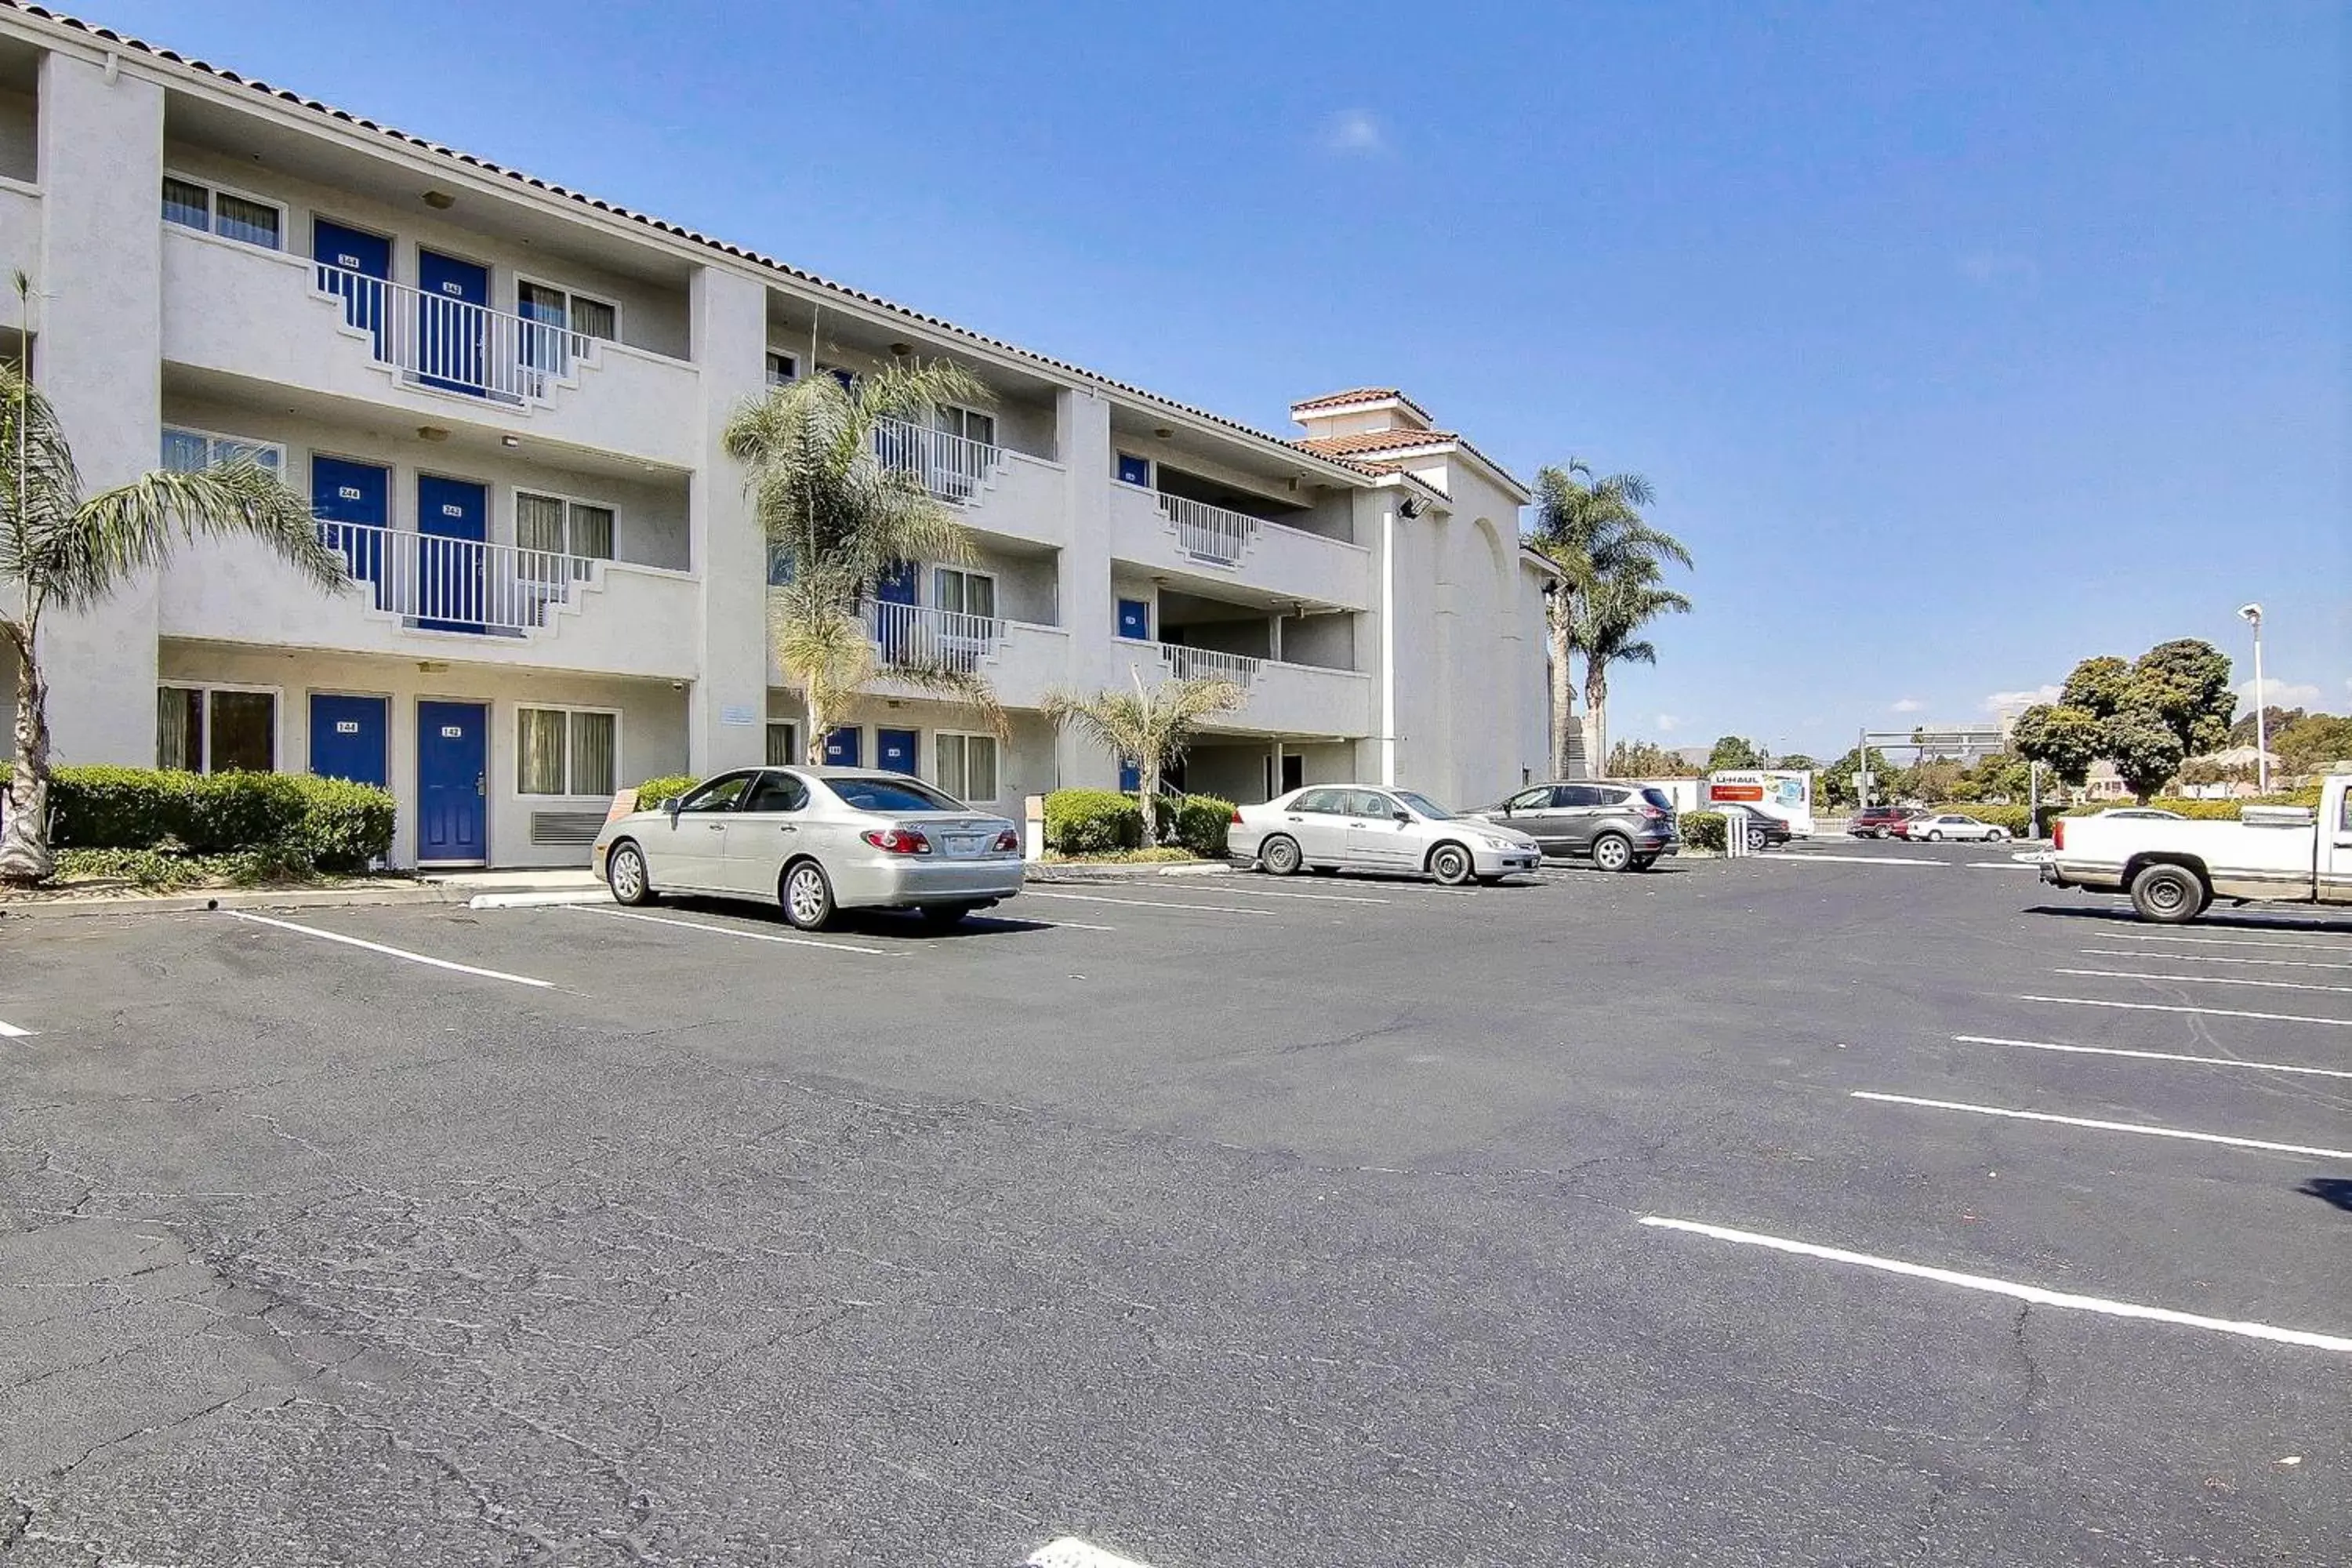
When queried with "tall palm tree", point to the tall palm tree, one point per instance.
{"points": [[844, 521], [1155, 726], [1590, 528], [68, 551], [1610, 615]]}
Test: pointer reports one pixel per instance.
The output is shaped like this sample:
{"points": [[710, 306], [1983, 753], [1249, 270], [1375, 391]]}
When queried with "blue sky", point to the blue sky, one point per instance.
{"points": [[1959, 341]]}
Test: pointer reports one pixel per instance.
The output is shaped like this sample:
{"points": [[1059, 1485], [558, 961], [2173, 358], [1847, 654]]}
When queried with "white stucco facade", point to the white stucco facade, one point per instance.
{"points": [[506, 402]]}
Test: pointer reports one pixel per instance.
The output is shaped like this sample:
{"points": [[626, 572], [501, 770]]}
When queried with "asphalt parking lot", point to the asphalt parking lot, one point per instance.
{"points": [[1852, 1204]]}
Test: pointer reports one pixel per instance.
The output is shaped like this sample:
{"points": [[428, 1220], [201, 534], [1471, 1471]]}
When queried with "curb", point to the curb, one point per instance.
{"points": [[539, 901], [1113, 871], [231, 899]]}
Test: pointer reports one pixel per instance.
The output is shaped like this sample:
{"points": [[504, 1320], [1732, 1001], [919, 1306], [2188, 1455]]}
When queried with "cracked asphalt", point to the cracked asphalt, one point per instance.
{"points": [[1295, 1224]]}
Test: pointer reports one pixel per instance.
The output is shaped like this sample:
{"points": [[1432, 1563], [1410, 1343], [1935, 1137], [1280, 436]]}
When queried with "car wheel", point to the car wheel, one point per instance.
{"points": [[807, 896], [1451, 865], [625, 872], [943, 917], [2169, 895], [1997, 835], [1278, 855], [1936, 836], [1756, 839], [1613, 852]]}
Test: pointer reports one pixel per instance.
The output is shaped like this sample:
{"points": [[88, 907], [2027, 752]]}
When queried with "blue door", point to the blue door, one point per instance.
{"points": [[1130, 777], [841, 747], [896, 750], [453, 519], [1134, 619], [354, 264], [452, 296], [347, 738], [352, 503], [894, 617], [452, 765]]}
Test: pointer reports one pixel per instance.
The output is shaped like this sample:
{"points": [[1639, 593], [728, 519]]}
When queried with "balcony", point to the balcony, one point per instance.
{"points": [[1213, 546], [421, 596], [997, 490], [1020, 660], [277, 320], [1280, 698]]}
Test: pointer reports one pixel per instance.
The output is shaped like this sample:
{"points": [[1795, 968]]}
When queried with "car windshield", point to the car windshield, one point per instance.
{"points": [[890, 793], [1421, 804]]}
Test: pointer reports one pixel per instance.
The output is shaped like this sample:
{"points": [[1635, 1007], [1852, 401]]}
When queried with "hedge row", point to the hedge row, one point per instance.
{"points": [[293, 821], [653, 792], [1099, 821], [2207, 810], [1702, 830]]}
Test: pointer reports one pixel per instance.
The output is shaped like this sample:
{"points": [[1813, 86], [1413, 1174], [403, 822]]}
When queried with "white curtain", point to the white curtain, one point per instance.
{"points": [[540, 736], [593, 764]]}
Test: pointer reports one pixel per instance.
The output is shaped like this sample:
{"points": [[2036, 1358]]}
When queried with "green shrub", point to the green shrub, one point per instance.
{"points": [[163, 869], [2206, 810], [1201, 824], [653, 792], [1092, 821], [1702, 830], [288, 823]]}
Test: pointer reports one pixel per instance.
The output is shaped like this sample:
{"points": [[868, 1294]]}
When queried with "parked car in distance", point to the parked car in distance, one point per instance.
{"points": [[2143, 813], [1952, 825], [1617, 826], [1762, 828], [1368, 827], [1900, 827], [1877, 821], [815, 841]]}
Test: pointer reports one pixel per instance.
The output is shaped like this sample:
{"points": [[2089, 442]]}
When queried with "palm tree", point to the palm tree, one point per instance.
{"points": [[1609, 615], [843, 521], [1153, 726], [1590, 528], [69, 551]]}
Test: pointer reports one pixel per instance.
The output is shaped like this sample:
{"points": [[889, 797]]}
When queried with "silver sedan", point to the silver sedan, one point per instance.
{"points": [[1952, 825], [1363, 827], [816, 840]]}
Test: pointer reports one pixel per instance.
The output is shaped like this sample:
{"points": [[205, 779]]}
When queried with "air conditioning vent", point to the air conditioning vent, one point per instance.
{"points": [[565, 826]]}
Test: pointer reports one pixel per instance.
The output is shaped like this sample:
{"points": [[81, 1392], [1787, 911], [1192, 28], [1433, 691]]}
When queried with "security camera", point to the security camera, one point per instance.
{"points": [[2252, 613]]}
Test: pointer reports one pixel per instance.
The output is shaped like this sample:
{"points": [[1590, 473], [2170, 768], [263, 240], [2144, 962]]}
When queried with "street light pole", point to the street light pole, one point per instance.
{"points": [[2253, 614]]}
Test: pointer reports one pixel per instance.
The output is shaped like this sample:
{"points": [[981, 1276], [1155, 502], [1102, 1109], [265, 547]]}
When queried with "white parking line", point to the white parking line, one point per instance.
{"points": [[1869, 859], [9, 1031], [2202, 1012], [1070, 1552], [2207, 980], [1148, 903], [2152, 1056], [1319, 897], [777, 937], [2210, 958], [390, 951], [2035, 1294], [1999, 866], [2138, 1127], [2225, 941]]}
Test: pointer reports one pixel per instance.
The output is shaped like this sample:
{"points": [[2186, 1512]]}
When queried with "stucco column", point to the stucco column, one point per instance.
{"points": [[97, 354], [1083, 443], [727, 706]]}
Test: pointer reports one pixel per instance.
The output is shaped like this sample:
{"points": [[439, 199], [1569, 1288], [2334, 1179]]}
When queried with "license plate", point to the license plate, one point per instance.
{"points": [[966, 843]]}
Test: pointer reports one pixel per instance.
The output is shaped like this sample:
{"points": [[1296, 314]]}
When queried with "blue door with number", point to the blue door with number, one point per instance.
{"points": [[896, 750], [453, 519], [1134, 619], [452, 769], [894, 622], [347, 738], [352, 503], [841, 747], [452, 299], [354, 264]]}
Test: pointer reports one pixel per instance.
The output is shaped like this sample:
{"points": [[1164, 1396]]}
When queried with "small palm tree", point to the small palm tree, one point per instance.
{"points": [[1590, 529], [1610, 615], [1153, 727], [69, 551], [843, 522]]}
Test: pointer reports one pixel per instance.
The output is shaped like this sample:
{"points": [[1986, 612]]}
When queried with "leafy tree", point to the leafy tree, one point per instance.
{"points": [[2004, 776], [2184, 685], [1608, 615], [2097, 686], [844, 521], [69, 551], [2276, 721], [1731, 751], [1152, 726], [1645, 760], [1798, 762], [2146, 751], [1935, 778], [2065, 740], [2313, 741], [1592, 529], [1837, 779]]}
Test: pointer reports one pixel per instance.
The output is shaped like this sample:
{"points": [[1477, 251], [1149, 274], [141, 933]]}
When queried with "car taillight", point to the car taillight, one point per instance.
{"points": [[1007, 842], [1654, 814], [898, 840], [1237, 816], [2058, 834]]}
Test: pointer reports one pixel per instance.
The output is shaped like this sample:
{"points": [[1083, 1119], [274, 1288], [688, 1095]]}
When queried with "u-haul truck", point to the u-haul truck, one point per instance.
{"points": [[1774, 791]]}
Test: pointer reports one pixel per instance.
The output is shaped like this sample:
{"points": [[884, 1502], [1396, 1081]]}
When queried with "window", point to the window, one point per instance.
{"points": [[192, 451], [965, 765], [720, 795], [1425, 807], [783, 745], [780, 565], [1322, 801], [889, 792], [968, 423], [1364, 803], [562, 527], [566, 751], [216, 730], [783, 369], [1536, 799], [966, 593], [224, 213], [777, 792], [1134, 470], [555, 307]]}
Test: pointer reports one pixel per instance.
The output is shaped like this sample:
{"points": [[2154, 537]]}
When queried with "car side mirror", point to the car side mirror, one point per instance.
{"points": [[1402, 815], [668, 807], [1506, 808]]}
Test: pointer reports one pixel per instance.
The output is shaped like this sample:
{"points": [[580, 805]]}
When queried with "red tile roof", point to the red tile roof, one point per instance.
{"points": [[1376, 441]]}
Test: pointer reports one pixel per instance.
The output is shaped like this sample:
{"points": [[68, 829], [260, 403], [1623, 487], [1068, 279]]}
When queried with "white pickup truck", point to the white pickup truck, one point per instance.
{"points": [[2174, 871]]}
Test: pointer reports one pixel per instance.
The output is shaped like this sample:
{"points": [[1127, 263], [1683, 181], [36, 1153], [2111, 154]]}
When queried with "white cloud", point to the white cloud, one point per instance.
{"points": [[2018, 702], [1353, 133], [1905, 705], [1669, 722], [2280, 694]]}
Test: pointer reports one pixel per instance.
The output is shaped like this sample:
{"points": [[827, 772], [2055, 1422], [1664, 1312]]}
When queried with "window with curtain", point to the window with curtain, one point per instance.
{"points": [[783, 369], [190, 451], [595, 319], [203, 729], [783, 745], [965, 767], [966, 593], [556, 307], [192, 205], [540, 735], [566, 751], [180, 729], [187, 203], [968, 423], [595, 758], [560, 528]]}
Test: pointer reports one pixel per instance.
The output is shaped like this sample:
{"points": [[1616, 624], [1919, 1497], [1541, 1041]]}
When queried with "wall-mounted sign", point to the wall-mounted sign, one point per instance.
{"points": [[735, 714]]}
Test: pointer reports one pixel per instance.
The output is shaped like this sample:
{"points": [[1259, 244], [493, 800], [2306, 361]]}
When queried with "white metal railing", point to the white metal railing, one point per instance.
{"points": [[433, 341], [456, 584], [921, 634], [1208, 532], [1209, 663], [953, 467]]}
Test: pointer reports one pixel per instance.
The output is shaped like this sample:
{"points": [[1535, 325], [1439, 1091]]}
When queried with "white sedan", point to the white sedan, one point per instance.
{"points": [[1364, 827], [1952, 825]]}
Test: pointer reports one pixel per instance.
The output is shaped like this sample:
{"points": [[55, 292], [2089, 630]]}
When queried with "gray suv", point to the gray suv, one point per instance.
{"points": [[1617, 826]]}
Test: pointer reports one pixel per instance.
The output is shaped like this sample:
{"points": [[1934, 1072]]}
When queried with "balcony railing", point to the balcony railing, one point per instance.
{"points": [[436, 583], [453, 345], [923, 635], [953, 468], [1209, 663], [1209, 533]]}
